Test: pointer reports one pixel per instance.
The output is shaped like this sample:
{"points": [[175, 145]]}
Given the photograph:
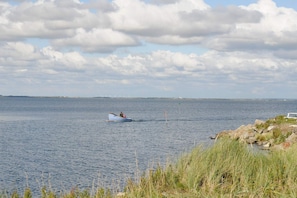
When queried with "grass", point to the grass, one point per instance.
{"points": [[278, 120], [226, 169]]}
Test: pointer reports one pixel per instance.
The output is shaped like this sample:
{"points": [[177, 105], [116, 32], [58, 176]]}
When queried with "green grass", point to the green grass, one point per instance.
{"points": [[226, 169], [278, 120]]}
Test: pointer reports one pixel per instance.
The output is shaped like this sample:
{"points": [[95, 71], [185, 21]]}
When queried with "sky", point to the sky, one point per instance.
{"points": [[149, 48]]}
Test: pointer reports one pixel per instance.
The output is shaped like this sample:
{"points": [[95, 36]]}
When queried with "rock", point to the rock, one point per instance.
{"points": [[265, 137], [286, 145], [270, 128], [121, 194], [265, 131], [257, 130], [244, 132], [294, 128], [258, 122], [267, 145], [292, 138], [251, 140], [222, 134]]}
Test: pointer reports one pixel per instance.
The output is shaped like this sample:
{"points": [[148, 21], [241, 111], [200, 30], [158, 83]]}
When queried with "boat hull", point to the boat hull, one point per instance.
{"points": [[115, 118]]}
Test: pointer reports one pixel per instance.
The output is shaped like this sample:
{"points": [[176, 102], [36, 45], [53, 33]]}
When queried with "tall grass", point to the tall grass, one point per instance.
{"points": [[226, 169]]}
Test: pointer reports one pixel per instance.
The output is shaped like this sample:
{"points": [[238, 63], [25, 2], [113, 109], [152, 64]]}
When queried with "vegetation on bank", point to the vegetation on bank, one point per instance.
{"points": [[281, 129], [276, 133], [226, 169]]}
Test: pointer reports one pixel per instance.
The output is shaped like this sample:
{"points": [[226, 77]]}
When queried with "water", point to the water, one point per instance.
{"points": [[66, 142]]}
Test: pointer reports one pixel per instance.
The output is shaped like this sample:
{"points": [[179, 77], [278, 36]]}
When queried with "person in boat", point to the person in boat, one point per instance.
{"points": [[122, 115]]}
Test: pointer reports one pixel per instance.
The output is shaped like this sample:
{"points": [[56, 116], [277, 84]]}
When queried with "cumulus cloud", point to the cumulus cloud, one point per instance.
{"points": [[70, 59], [19, 51], [96, 40], [47, 19], [95, 43], [151, 20], [273, 32]]}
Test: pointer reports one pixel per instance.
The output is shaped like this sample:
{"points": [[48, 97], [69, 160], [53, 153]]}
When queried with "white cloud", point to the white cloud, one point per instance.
{"points": [[145, 19], [91, 44], [72, 60], [19, 51], [274, 31], [102, 40], [47, 19]]}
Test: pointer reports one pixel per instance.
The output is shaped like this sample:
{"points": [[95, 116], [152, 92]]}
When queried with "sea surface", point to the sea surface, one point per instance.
{"points": [[64, 143]]}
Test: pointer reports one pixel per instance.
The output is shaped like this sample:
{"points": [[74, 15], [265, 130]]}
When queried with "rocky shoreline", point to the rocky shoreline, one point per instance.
{"points": [[277, 133]]}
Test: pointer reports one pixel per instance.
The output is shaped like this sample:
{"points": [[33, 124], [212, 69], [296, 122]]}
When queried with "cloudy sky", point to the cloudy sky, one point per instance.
{"points": [[149, 48]]}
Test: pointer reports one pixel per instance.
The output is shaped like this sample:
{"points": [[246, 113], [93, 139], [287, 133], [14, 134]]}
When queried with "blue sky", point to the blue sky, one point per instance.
{"points": [[281, 3], [155, 48]]}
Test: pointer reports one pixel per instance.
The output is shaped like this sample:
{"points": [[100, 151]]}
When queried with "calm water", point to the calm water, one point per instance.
{"points": [[66, 142]]}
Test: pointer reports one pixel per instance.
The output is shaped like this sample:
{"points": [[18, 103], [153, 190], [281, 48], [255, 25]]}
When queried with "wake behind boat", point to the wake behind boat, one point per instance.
{"points": [[112, 117]]}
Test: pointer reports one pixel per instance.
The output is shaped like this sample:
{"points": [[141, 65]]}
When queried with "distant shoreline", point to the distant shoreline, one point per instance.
{"points": [[175, 98]]}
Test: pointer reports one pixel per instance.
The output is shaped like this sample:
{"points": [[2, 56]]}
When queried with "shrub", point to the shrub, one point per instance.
{"points": [[276, 133]]}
